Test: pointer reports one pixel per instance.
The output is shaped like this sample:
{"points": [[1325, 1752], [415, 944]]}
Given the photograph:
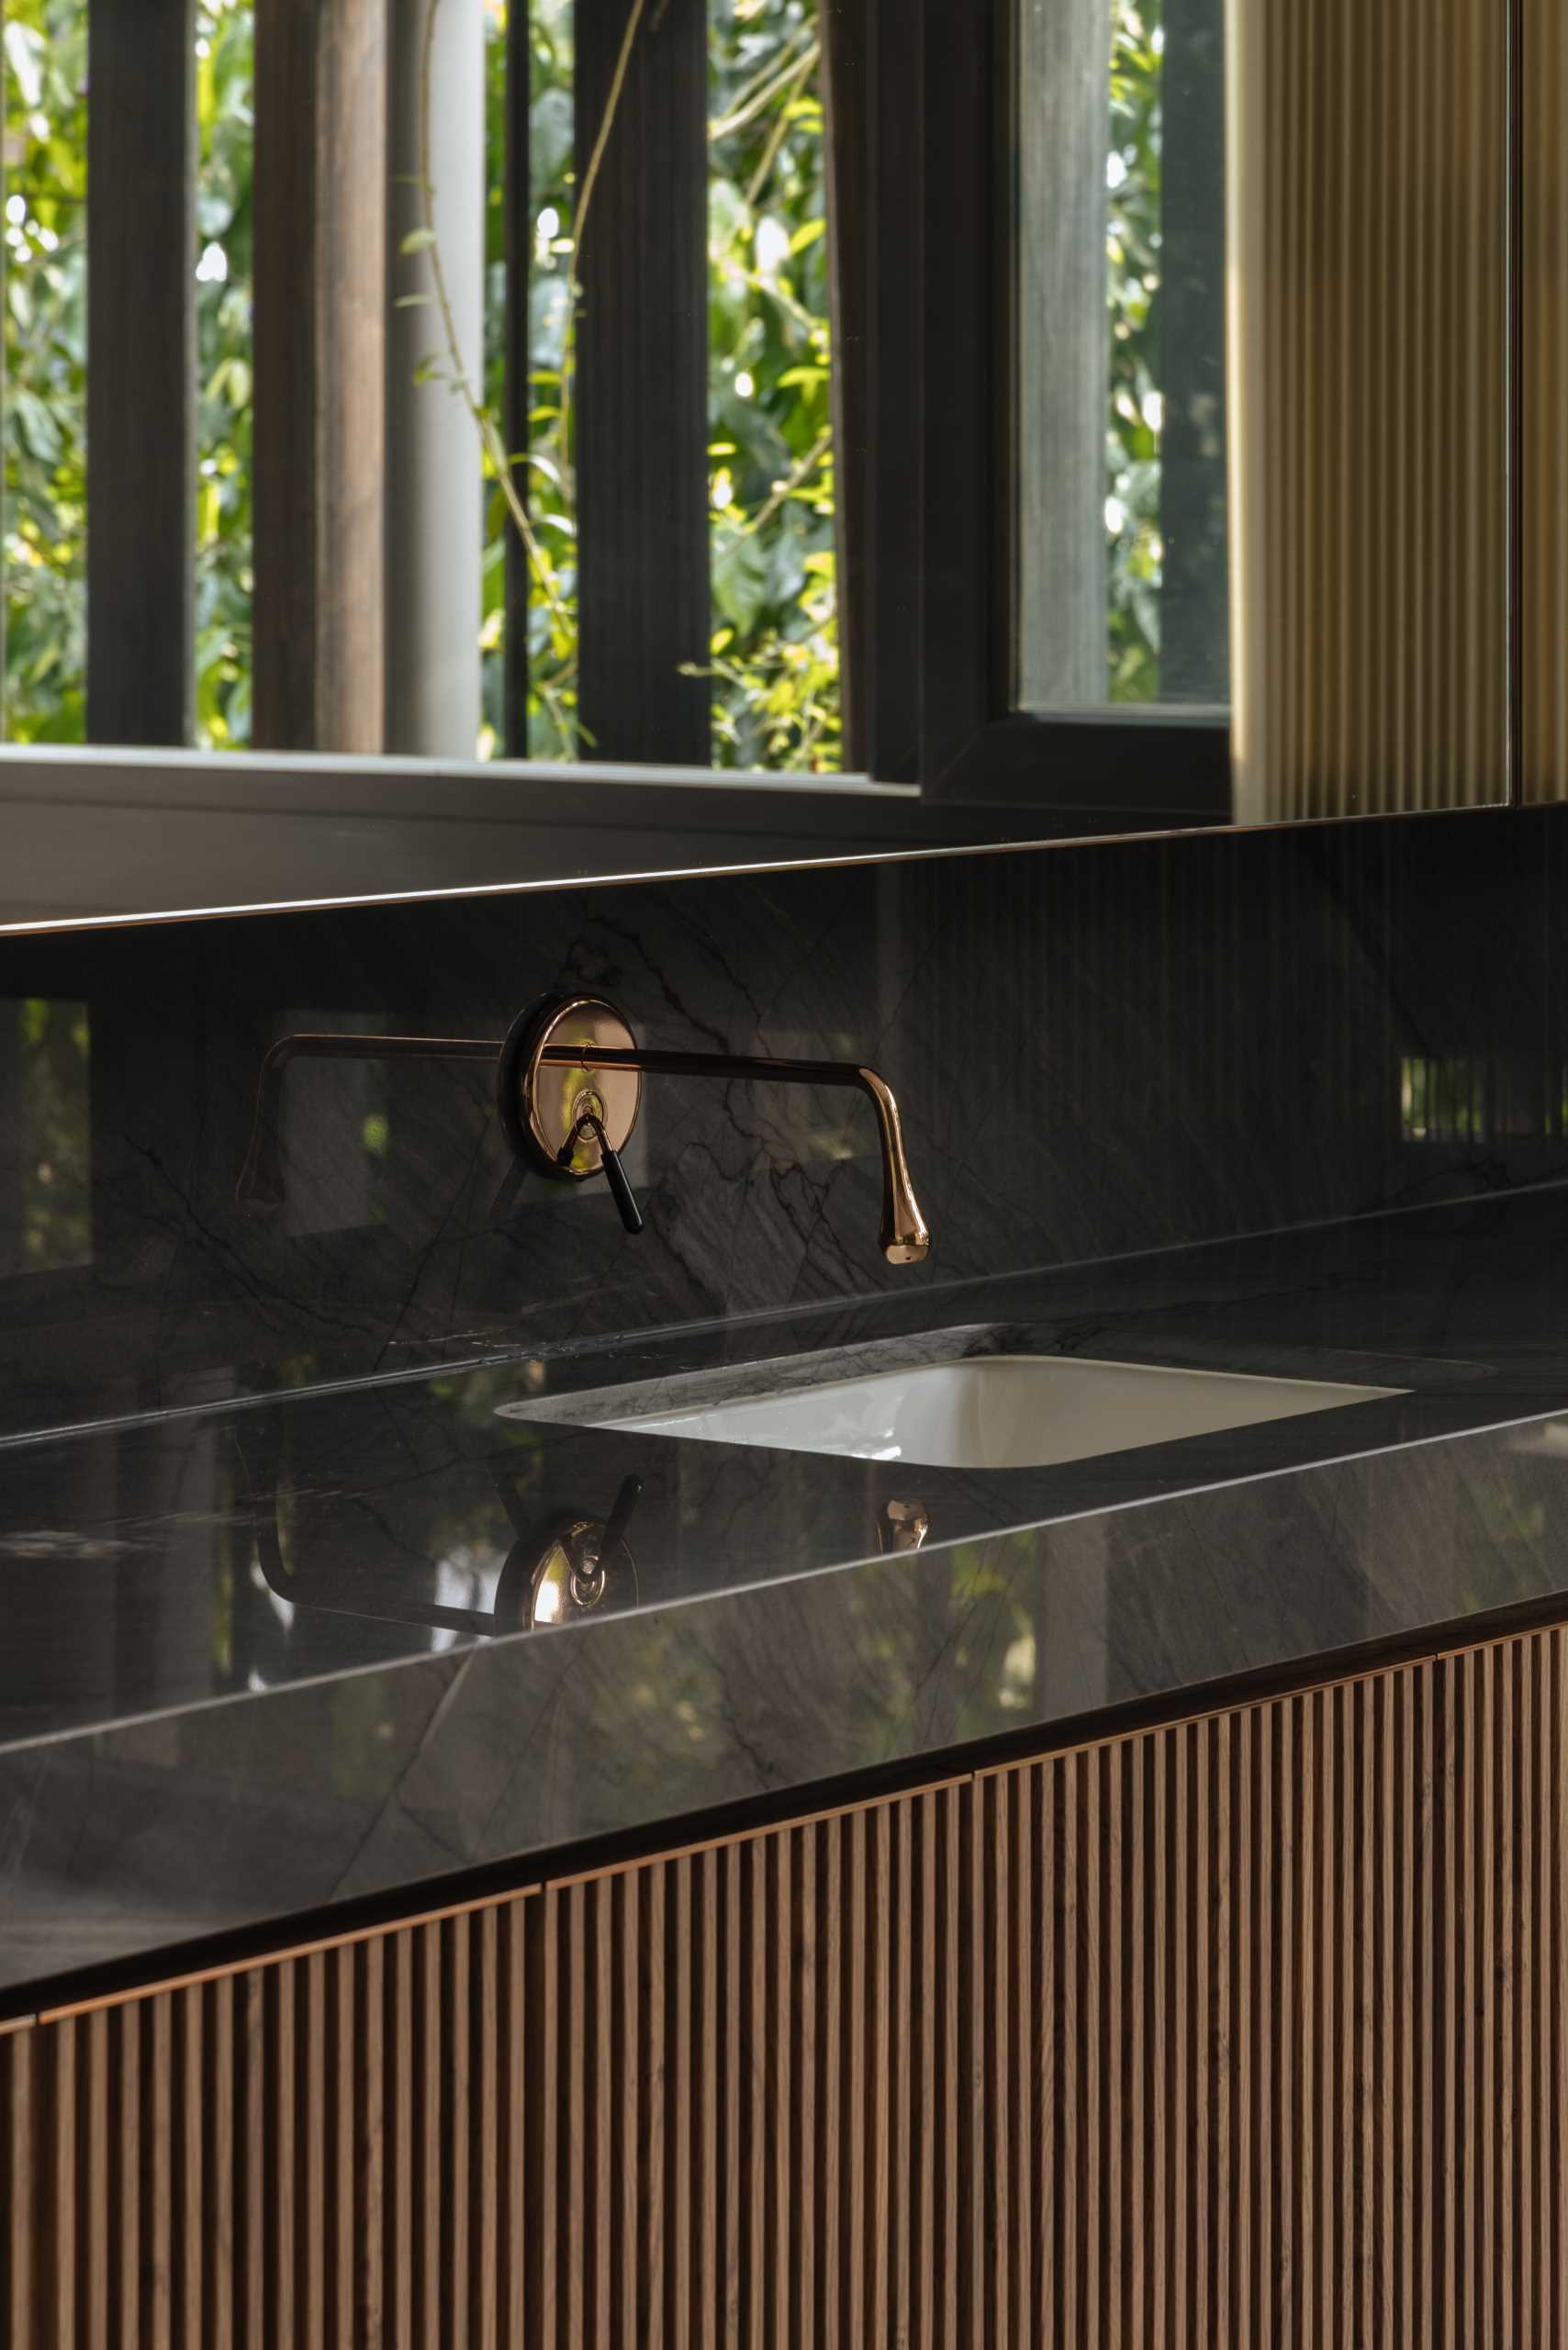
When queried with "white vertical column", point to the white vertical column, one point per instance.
{"points": [[434, 491]]}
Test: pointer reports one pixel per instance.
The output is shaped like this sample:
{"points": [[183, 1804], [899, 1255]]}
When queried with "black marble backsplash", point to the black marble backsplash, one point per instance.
{"points": [[1099, 1048]]}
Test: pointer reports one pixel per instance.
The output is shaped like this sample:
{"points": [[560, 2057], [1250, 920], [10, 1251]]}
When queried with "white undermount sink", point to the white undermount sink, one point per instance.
{"points": [[1001, 1411]]}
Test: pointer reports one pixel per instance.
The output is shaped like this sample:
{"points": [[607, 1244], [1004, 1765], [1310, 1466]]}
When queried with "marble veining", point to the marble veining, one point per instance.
{"points": [[1098, 1048], [253, 1665]]}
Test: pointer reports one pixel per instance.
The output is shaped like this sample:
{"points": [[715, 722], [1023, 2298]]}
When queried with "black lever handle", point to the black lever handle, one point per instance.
{"points": [[619, 1518], [615, 1175]]}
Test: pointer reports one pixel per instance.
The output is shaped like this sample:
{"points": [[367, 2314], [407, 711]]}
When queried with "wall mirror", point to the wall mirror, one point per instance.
{"points": [[642, 433]]}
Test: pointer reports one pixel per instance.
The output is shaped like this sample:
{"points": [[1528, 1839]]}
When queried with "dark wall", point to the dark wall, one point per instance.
{"points": [[1098, 1048]]}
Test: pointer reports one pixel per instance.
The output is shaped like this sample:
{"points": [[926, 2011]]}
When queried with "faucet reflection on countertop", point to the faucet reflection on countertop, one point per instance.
{"points": [[560, 1568]]}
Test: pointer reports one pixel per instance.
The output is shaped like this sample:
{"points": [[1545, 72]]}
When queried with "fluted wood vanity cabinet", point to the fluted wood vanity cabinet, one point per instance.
{"points": [[1248, 2028]]}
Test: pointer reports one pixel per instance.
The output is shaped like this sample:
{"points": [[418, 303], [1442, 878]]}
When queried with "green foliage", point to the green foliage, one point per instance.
{"points": [[225, 131], [775, 650], [774, 656], [45, 382], [1133, 241], [547, 483]]}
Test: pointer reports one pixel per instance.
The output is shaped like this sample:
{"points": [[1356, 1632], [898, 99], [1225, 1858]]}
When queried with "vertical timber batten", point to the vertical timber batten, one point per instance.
{"points": [[640, 426], [142, 372]]}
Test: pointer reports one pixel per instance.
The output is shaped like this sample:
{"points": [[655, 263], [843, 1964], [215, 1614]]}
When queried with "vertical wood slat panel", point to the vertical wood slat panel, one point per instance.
{"points": [[1369, 405], [1243, 2029], [142, 379], [1543, 401], [20, 2180]]}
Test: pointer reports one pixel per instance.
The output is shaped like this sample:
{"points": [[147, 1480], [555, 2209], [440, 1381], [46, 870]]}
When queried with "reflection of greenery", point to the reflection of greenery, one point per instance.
{"points": [[46, 331], [1132, 503], [774, 657], [49, 1122]]}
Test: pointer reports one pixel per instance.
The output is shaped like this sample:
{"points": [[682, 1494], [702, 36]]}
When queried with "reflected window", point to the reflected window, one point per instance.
{"points": [[45, 1139], [335, 1124]]}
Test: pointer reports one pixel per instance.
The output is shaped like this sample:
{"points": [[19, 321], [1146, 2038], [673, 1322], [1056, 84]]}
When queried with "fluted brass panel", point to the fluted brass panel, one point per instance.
{"points": [[1250, 2029], [1368, 212], [1543, 457]]}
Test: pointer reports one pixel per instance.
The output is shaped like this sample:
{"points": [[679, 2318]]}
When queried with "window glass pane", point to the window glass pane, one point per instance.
{"points": [[763, 664], [225, 370], [545, 487], [1121, 550], [45, 397], [774, 653]]}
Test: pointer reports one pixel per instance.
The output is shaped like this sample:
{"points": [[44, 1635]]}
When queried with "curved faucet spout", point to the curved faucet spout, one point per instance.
{"points": [[581, 1128], [905, 1235]]}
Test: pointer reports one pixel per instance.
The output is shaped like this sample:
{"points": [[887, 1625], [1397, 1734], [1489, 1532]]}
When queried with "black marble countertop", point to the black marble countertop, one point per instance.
{"points": [[265, 1659]]}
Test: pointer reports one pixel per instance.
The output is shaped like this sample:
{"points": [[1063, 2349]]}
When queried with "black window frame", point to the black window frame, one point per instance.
{"points": [[922, 162], [940, 462]]}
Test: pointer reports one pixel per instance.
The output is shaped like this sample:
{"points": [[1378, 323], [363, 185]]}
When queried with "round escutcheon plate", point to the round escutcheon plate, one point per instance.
{"points": [[541, 1100]]}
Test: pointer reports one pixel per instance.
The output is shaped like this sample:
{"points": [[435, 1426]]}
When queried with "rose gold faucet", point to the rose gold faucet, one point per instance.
{"points": [[568, 1087]]}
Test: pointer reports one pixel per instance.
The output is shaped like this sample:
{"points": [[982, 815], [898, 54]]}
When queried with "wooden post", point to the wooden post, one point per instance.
{"points": [[320, 373], [141, 371], [641, 437]]}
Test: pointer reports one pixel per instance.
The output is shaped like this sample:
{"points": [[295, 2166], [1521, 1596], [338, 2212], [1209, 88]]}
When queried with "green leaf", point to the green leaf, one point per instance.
{"points": [[740, 582]]}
